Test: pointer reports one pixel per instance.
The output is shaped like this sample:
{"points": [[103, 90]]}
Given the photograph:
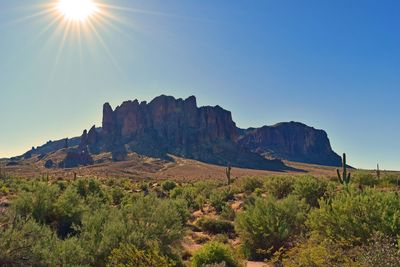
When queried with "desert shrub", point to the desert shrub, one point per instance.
{"points": [[214, 253], [228, 213], [314, 251], [187, 193], [149, 218], [365, 178], [176, 192], [39, 204], [18, 242], [201, 200], [130, 256], [181, 207], [68, 212], [310, 189], [267, 225], [351, 217], [168, 185], [279, 186], [250, 184], [390, 178], [381, 251], [215, 226], [205, 188], [219, 199], [4, 190], [117, 195]]}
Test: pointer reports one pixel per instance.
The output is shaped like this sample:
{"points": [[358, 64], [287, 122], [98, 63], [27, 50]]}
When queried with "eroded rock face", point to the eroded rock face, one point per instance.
{"points": [[176, 126], [291, 141]]}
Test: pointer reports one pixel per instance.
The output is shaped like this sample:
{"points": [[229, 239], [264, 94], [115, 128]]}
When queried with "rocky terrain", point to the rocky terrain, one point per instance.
{"points": [[168, 127]]}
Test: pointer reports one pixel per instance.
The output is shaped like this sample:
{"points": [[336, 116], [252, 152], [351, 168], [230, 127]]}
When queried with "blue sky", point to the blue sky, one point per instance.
{"points": [[334, 65]]}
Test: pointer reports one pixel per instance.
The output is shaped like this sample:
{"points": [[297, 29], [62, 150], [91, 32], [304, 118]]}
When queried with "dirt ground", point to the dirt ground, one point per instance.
{"points": [[138, 168]]}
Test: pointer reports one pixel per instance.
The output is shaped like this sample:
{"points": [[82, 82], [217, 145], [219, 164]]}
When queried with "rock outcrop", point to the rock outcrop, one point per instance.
{"points": [[175, 126], [291, 141], [168, 126]]}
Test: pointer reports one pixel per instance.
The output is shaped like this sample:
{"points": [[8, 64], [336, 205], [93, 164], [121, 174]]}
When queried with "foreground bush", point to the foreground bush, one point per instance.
{"points": [[130, 256], [351, 218], [280, 186], [310, 189], [214, 253], [314, 251], [265, 227], [79, 226], [216, 226]]}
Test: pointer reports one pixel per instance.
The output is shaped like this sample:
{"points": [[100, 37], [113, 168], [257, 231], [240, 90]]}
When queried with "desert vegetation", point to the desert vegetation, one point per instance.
{"points": [[292, 220]]}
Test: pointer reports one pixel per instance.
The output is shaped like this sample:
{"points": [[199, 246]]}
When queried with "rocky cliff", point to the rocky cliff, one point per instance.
{"points": [[179, 127], [175, 126], [291, 141]]}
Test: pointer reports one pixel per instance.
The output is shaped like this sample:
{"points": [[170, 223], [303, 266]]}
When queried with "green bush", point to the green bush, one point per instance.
{"points": [[219, 199], [266, 226], [315, 251], [228, 213], [250, 184], [279, 186], [214, 253], [310, 189], [168, 185], [129, 256], [350, 218], [216, 226], [365, 178], [117, 196]]}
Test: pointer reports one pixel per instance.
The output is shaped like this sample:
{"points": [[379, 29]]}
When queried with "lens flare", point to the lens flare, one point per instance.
{"points": [[77, 10]]}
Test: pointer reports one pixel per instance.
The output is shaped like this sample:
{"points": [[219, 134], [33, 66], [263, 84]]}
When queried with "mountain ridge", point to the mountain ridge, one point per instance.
{"points": [[168, 125]]}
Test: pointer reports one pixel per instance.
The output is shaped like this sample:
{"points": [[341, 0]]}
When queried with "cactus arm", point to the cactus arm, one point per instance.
{"points": [[339, 177]]}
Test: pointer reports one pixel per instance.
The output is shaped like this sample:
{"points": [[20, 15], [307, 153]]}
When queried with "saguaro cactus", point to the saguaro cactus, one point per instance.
{"points": [[378, 171], [228, 173], [345, 177]]}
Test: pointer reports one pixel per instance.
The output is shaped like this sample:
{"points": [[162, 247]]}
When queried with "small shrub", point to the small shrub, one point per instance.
{"points": [[168, 185], [214, 253], [219, 199], [352, 217], [182, 208], [130, 256], [250, 184], [310, 189], [365, 178], [315, 251], [280, 186], [117, 196], [268, 224], [216, 226], [228, 213]]}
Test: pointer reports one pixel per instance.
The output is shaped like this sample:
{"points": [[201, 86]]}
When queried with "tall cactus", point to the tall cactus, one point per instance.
{"points": [[228, 173], [378, 171], [345, 177]]}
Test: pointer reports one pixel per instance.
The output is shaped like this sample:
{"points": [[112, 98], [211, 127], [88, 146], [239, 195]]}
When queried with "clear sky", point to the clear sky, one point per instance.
{"points": [[332, 64]]}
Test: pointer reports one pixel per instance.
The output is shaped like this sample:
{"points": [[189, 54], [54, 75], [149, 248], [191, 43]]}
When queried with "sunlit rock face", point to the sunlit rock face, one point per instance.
{"points": [[291, 141], [179, 127], [175, 126]]}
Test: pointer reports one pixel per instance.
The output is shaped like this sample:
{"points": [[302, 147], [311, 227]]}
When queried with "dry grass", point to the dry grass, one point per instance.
{"points": [[138, 168]]}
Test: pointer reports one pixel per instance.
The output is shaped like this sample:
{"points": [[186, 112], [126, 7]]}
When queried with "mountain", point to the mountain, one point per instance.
{"points": [[175, 126], [168, 126], [292, 141]]}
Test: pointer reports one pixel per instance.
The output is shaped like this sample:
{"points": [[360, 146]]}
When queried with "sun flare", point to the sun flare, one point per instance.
{"points": [[77, 10]]}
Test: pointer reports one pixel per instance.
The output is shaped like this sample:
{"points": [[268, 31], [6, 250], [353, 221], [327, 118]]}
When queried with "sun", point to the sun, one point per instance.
{"points": [[77, 10]]}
